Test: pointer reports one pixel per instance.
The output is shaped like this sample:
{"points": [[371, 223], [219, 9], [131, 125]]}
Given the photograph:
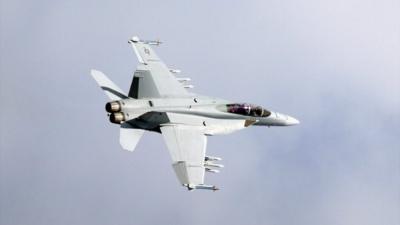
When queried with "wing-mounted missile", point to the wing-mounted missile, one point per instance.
{"points": [[183, 79], [212, 158], [175, 71], [136, 39], [213, 165], [212, 170], [188, 86], [156, 42], [201, 186], [210, 166]]}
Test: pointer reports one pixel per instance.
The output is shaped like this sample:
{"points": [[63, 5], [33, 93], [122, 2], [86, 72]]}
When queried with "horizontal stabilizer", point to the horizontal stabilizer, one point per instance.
{"points": [[129, 137], [111, 90]]}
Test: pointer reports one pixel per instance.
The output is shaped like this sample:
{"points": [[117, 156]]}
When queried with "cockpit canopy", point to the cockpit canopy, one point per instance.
{"points": [[247, 110]]}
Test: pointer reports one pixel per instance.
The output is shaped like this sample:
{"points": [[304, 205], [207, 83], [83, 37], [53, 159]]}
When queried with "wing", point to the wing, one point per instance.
{"points": [[187, 147], [153, 79]]}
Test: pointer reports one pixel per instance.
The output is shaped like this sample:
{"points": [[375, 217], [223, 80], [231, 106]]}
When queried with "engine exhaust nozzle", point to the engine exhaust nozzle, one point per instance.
{"points": [[117, 117], [112, 107]]}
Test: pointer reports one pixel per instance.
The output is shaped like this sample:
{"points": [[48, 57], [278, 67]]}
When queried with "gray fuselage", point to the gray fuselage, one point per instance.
{"points": [[150, 114]]}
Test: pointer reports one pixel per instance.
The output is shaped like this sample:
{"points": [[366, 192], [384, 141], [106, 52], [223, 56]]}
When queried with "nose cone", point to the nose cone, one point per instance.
{"points": [[291, 121]]}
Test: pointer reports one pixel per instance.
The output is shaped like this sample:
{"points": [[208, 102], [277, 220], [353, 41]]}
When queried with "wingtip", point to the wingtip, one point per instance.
{"points": [[96, 73], [134, 39]]}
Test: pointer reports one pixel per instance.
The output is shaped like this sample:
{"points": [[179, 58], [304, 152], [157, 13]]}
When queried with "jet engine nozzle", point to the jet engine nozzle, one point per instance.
{"points": [[117, 117], [112, 107]]}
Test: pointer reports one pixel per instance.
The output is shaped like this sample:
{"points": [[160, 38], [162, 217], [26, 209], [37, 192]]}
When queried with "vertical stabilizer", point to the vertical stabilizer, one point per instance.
{"points": [[111, 89]]}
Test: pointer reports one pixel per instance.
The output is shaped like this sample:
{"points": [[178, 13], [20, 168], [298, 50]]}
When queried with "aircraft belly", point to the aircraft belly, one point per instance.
{"points": [[210, 126], [224, 127], [150, 121]]}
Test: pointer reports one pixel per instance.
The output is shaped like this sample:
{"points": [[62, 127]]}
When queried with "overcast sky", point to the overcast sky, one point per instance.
{"points": [[333, 64]]}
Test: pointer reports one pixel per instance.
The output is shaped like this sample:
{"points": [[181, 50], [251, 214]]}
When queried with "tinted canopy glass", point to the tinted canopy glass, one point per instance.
{"points": [[247, 110]]}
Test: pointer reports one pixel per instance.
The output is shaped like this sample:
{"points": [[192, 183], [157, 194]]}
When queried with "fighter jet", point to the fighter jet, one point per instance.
{"points": [[161, 102]]}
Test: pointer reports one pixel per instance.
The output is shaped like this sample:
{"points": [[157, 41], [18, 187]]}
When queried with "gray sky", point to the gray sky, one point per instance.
{"points": [[333, 64]]}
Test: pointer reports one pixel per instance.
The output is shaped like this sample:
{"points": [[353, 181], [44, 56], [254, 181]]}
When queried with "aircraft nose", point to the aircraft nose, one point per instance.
{"points": [[292, 121]]}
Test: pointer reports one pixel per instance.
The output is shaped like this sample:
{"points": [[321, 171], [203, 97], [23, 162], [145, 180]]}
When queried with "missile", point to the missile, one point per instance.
{"points": [[136, 39], [212, 170], [156, 42], [212, 158], [191, 187], [188, 86], [176, 71], [208, 164], [183, 79]]}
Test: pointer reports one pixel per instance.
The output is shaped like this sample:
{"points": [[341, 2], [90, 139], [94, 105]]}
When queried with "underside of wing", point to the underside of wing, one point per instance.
{"points": [[129, 136], [187, 147], [153, 79]]}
